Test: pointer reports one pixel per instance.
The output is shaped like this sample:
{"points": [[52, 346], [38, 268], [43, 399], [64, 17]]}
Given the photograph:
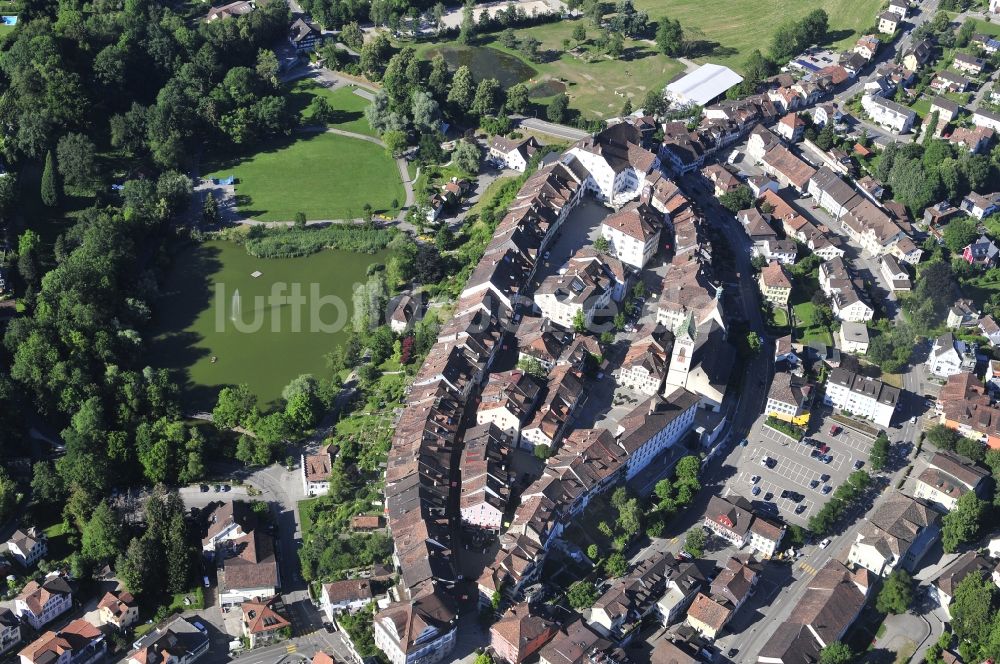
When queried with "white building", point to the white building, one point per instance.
{"points": [[316, 469], [349, 595], [862, 396], [645, 365], [895, 275], [508, 400], [654, 426], [10, 630], [418, 631], [947, 477], [585, 288], [616, 161], [888, 113], [853, 337], [703, 85], [897, 534], [40, 603], [28, 546], [633, 233], [950, 356], [513, 154]]}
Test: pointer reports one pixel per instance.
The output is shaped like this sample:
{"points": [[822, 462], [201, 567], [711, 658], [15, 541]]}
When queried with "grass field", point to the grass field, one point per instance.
{"points": [[595, 88], [806, 328], [350, 106], [323, 175], [730, 29]]}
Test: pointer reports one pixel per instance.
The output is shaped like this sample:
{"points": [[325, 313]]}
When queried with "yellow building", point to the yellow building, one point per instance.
{"points": [[789, 399]]}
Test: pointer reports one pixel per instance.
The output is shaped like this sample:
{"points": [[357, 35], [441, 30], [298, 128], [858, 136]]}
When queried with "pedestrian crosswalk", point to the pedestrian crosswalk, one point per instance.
{"points": [[290, 648], [807, 568]]}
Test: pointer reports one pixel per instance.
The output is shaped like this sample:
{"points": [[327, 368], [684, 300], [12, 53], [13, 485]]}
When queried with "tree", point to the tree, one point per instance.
{"points": [[959, 233], [556, 110], [694, 543], [50, 182], [531, 49], [601, 244], [178, 555], [753, 342], [508, 39], [210, 210], [437, 82], [942, 437], [687, 472], [134, 566], [424, 111], [582, 595], [46, 484], [8, 495], [616, 565], [879, 454], [669, 37], [962, 523], [517, 98], [466, 157], [614, 45], [580, 33], [896, 595], [593, 552], [579, 322], [530, 365], [351, 35], [77, 161], [487, 99], [461, 92], [236, 406], [395, 143], [972, 607], [836, 653], [374, 56], [101, 537], [738, 199], [468, 28]]}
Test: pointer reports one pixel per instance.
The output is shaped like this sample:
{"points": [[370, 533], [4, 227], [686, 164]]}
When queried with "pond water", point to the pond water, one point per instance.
{"points": [[217, 324], [485, 62]]}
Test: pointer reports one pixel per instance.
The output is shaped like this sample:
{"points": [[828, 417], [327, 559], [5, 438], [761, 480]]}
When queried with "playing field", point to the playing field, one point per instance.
{"points": [[350, 106], [730, 29], [325, 176]]}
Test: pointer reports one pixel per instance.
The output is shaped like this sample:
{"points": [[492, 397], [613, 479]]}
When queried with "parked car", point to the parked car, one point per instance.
{"points": [[755, 479], [814, 484], [815, 454], [764, 461], [827, 489], [203, 488], [827, 458], [785, 493], [755, 491], [744, 442], [799, 509], [858, 464], [768, 497], [825, 543], [835, 429], [824, 449], [824, 478], [218, 488]]}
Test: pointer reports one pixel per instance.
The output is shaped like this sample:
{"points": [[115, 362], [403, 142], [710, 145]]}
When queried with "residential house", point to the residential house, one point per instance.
{"points": [[900, 7], [853, 337], [940, 213], [965, 405], [633, 233], [968, 64], [227, 521], [949, 81], [975, 140], [788, 169], [790, 127], [737, 580], [403, 310], [511, 153], [863, 396], [947, 477], [897, 534], [732, 519], [888, 22], [176, 642], [617, 163], [118, 608], [262, 625], [27, 547], [988, 43], [79, 642], [832, 601], [629, 599], [577, 643], [655, 425], [645, 365], [709, 615], [541, 340], [888, 113], [40, 603], [304, 36], [950, 356], [942, 587], [520, 633], [584, 290], [765, 537], [10, 630], [982, 117], [230, 10], [316, 469], [784, 352], [831, 193], [508, 400], [845, 292], [917, 55], [989, 329], [418, 631], [788, 399], [823, 114], [983, 252], [666, 651], [962, 314], [867, 46], [979, 206], [251, 573], [485, 489], [775, 285], [722, 180], [565, 389], [895, 275], [367, 523], [349, 595], [853, 63]]}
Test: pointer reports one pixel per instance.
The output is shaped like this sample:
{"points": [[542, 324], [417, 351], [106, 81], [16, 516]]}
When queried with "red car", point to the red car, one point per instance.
{"points": [[823, 449], [834, 430]]}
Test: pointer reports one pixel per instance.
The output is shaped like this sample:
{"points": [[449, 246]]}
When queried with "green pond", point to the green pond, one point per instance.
{"points": [[485, 62], [217, 324]]}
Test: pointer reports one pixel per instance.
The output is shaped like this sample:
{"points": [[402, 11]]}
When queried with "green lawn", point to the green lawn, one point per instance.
{"points": [[350, 106], [596, 85], [806, 329], [325, 176], [730, 29], [922, 107], [779, 318], [988, 28], [306, 508]]}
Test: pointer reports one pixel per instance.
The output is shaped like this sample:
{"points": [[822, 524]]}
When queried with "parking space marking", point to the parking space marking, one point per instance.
{"points": [[785, 504], [805, 450]]}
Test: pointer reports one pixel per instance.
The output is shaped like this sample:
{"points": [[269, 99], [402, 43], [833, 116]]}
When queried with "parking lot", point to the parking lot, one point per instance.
{"points": [[793, 468]]}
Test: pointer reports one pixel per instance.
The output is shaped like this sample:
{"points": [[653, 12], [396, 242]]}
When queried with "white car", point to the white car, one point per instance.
{"points": [[913, 420], [825, 543], [764, 461]]}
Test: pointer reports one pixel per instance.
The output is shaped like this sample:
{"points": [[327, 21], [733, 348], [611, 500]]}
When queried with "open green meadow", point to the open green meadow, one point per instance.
{"points": [[325, 176], [350, 106]]}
